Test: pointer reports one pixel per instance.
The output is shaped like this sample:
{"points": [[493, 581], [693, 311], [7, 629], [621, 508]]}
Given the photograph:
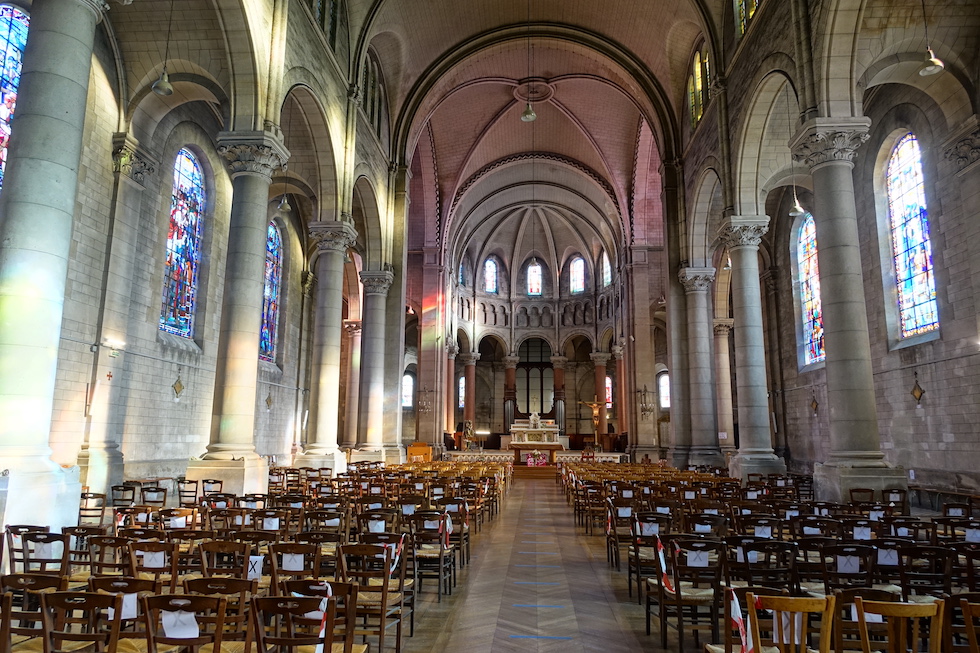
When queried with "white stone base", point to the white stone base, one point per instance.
{"points": [[245, 476], [367, 455], [47, 497], [705, 456], [337, 461], [741, 465], [834, 481], [101, 468]]}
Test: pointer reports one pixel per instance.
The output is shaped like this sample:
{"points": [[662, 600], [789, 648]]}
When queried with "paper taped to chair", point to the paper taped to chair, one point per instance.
{"points": [[255, 567], [848, 565], [153, 559], [292, 562], [788, 624], [180, 624], [128, 611]]}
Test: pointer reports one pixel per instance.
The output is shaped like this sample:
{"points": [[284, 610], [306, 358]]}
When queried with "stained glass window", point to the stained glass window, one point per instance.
{"points": [[187, 205], [490, 275], [606, 270], [609, 392], [13, 39], [809, 275], [462, 277], [663, 389], [911, 249], [746, 9], [576, 275], [699, 84], [408, 391], [461, 391], [534, 278], [270, 301]]}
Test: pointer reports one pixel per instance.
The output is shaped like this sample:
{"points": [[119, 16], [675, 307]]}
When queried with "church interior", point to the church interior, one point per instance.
{"points": [[728, 236]]}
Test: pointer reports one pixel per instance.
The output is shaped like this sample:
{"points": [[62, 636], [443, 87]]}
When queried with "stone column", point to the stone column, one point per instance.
{"points": [[37, 206], [723, 387], [333, 239], [743, 234], [558, 364], [599, 360], [704, 428], [252, 157], [469, 372], [371, 404], [510, 390], [828, 146], [620, 402], [353, 329], [452, 350]]}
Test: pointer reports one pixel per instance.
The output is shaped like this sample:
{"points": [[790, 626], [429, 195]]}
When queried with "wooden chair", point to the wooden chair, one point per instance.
{"points": [[971, 612], [735, 612], [46, 553], [187, 493], [925, 572], [847, 634], [211, 486], [370, 566], [23, 621], [91, 509], [109, 556], [122, 496], [224, 558], [132, 634], [294, 623], [156, 561], [186, 621], [771, 563], [238, 594], [81, 620], [862, 495], [905, 625], [791, 622], [153, 495], [15, 545], [293, 561], [644, 533], [848, 566], [956, 622], [695, 596]]}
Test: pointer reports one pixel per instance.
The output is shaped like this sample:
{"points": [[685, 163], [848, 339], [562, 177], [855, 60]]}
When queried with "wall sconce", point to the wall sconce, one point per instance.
{"points": [[178, 387], [813, 404], [269, 402], [424, 401], [646, 405], [917, 390]]}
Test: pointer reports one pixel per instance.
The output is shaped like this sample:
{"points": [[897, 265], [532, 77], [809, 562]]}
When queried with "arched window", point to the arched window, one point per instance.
{"points": [[268, 337], [408, 391], [609, 395], [576, 275], [744, 10], [663, 389], [462, 275], [911, 249], [180, 277], [461, 392], [698, 85], [490, 275], [606, 270], [534, 278], [13, 40], [810, 306]]}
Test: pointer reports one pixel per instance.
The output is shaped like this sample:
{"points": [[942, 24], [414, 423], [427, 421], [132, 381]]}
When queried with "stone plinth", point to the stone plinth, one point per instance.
{"points": [[243, 476], [834, 481]]}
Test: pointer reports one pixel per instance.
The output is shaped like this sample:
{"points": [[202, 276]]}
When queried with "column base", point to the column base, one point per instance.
{"points": [[101, 467], [741, 465], [243, 476], [335, 460], [833, 481], [705, 456], [678, 455], [367, 454], [47, 497]]}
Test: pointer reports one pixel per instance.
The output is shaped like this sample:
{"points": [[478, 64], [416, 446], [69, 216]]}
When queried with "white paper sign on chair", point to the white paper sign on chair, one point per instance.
{"points": [[180, 624]]}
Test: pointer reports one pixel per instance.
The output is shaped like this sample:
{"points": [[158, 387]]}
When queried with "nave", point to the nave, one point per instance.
{"points": [[535, 583]]}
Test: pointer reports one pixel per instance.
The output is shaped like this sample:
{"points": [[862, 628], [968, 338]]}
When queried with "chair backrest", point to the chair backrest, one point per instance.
{"points": [[153, 495], [736, 616], [187, 493], [771, 563], [971, 613], [224, 558], [185, 620], [791, 621], [15, 547], [46, 553], [6, 608], [109, 556], [925, 571], [847, 566], [292, 623], [696, 563], [847, 633], [91, 509], [237, 592], [156, 559], [177, 518], [212, 486], [122, 495], [292, 560], [75, 620], [25, 613], [905, 625]]}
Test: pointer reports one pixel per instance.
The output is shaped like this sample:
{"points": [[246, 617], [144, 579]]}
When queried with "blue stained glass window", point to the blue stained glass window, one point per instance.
{"points": [[408, 391], [13, 40], [911, 250], [534, 279], [180, 278], [606, 270], [576, 275], [270, 300], [809, 275], [490, 275]]}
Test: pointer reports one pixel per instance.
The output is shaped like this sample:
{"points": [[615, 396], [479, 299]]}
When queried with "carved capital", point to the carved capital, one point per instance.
{"points": [[352, 327], [257, 153], [309, 283], [97, 6], [469, 358], [964, 151], [452, 349], [600, 357], [346, 216], [377, 282], [557, 362], [510, 362], [744, 231], [333, 236], [617, 351], [696, 279], [719, 85], [354, 93], [130, 160], [826, 140], [723, 326]]}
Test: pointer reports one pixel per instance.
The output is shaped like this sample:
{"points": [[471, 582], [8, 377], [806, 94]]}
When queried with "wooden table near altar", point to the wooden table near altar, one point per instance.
{"points": [[550, 447]]}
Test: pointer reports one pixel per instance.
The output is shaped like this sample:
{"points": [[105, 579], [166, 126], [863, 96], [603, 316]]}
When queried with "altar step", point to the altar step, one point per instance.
{"points": [[523, 471]]}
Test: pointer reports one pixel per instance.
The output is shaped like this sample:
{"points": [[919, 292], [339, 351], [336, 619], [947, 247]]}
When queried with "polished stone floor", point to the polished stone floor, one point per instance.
{"points": [[535, 583]]}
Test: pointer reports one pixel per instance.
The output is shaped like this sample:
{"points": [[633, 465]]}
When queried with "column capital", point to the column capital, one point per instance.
{"points": [[470, 357], [131, 160], [377, 282], [510, 362], [723, 326], [452, 350], [829, 140], [333, 236], [309, 283], [965, 150], [352, 327], [98, 7], [696, 279], [744, 230], [257, 153], [600, 357], [557, 362], [617, 351]]}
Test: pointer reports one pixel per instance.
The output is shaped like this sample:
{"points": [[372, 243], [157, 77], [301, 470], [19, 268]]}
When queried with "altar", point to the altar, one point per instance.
{"points": [[535, 434]]}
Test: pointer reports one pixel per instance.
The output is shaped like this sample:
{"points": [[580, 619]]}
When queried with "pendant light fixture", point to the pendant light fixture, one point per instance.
{"points": [[932, 65], [163, 86], [528, 114], [796, 210]]}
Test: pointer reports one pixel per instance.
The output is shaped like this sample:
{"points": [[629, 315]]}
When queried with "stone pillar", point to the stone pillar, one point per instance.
{"points": [[704, 428], [38, 204], [353, 329], [743, 234], [371, 403], [100, 459], [599, 360], [723, 387], [231, 457], [619, 400], [333, 240], [510, 390], [558, 364], [452, 350], [828, 146], [469, 372]]}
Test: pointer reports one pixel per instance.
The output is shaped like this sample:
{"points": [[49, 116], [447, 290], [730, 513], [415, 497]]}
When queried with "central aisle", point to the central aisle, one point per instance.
{"points": [[535, 583]]}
